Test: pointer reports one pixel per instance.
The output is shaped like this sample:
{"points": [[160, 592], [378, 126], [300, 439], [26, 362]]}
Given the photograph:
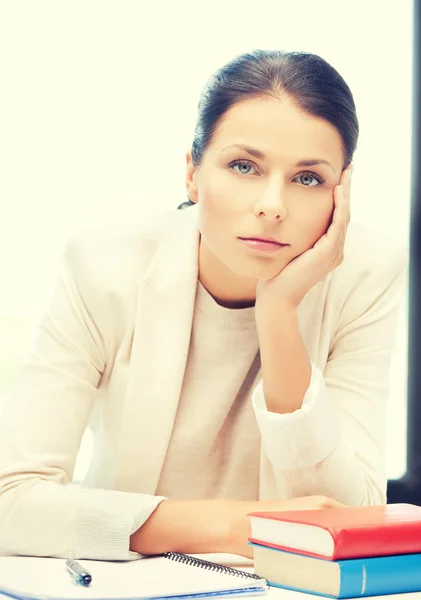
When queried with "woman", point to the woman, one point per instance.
{"points": [[229, 357]]}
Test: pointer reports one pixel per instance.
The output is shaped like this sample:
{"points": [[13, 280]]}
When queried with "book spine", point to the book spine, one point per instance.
{"points": [[377, 576]]}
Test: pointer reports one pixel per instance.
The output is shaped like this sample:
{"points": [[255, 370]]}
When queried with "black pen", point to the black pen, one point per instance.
{"points": [[78, 572]]}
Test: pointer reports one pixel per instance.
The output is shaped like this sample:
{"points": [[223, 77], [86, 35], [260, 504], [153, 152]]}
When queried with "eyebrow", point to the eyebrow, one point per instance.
{"points": [[302, 163]]}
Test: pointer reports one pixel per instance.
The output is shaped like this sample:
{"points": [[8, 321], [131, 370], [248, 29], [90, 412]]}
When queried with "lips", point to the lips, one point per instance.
{"points": [[263, 245], [264, 240]]}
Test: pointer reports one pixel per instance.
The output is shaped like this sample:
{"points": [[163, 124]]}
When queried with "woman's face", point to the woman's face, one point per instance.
{"points": [[251, 184]]}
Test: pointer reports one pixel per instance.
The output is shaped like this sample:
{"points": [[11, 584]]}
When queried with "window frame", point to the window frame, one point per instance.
{"points": [[408, 488]]}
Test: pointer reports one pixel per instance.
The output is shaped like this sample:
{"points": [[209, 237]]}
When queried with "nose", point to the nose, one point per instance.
{"points": [[271, 205]]}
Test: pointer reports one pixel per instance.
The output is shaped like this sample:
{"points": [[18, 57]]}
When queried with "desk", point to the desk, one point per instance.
{"points": [[238, 562]]}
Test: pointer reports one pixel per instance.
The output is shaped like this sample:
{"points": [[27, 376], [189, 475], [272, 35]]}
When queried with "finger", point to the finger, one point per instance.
{"points": [[346, 223], [339, 213], [345, 198], [348, 195], [346, 213], [335, 504], [337, 231], [340, 254], [345, 181]]}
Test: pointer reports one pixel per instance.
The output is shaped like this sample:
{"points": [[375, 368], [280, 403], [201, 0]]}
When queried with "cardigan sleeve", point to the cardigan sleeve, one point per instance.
{"points": [[41, 512], [334, 444]]}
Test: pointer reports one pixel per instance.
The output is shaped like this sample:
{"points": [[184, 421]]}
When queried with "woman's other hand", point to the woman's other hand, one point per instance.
{"points": [[240, 523]]}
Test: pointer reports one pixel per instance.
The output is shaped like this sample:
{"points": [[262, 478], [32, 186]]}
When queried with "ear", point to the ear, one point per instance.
{"points": [[190, 178]]}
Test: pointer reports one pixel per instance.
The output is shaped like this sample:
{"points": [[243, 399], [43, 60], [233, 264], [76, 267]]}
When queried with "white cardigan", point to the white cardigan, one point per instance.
{"points": [[111, 353]]}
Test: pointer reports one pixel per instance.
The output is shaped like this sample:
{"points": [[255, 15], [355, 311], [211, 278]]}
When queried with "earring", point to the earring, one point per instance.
{"points": [[186, 204]]}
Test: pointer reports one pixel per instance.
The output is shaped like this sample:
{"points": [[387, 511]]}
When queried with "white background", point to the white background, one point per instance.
{"points": [[97, 108]]}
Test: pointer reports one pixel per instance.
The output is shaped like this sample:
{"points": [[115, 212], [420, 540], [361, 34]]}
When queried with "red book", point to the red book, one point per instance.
{"points": [[341, 533]]}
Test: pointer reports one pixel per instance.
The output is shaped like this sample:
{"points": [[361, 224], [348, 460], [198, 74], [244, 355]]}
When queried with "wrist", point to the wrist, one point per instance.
{"points": [[275, 303], [239, 526], [275, 319]]}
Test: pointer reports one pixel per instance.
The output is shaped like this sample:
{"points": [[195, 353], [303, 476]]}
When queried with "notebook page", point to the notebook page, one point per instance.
{"points": [[30, 577]]}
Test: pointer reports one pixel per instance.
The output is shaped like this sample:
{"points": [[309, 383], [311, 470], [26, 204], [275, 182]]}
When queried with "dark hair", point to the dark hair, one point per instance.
{"points": [[304, 77]]}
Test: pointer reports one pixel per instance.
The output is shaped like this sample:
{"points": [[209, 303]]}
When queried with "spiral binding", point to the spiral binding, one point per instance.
{"points": [[210, 566]]}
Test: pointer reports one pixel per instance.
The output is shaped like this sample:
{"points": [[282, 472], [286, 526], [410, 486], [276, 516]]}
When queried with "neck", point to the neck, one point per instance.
{"points": [[226, 287]]}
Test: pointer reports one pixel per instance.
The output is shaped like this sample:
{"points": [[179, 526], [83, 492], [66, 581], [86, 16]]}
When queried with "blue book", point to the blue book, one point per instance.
{"points": [[351, 578]]}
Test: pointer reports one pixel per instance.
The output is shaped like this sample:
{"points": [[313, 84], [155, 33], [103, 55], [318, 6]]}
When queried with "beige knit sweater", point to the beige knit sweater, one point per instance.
{"points": [[215, 444]]}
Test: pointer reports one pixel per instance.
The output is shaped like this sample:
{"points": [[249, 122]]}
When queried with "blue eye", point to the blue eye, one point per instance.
{"points": [[305, 179], [242, 163]]}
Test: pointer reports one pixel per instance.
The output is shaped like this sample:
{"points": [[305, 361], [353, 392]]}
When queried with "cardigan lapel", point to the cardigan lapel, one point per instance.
{"points": [[165, 307]]}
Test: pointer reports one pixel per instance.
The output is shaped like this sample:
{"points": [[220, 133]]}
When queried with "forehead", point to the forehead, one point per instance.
{"points": [[281, 129]]}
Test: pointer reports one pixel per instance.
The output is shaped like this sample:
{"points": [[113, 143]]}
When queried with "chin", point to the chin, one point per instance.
{"points": [[257, 271]]}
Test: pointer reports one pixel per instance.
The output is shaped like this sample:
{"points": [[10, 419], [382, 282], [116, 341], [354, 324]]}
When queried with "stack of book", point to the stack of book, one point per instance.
{"points": [[340, 552]]}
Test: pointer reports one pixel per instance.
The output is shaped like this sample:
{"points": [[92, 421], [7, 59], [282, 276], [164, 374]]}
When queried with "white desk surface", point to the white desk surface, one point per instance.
{"points": [[239, 562]]}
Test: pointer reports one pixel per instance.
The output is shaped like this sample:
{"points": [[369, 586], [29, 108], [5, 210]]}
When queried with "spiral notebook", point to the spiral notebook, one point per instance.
{"points": [[171, 575]]}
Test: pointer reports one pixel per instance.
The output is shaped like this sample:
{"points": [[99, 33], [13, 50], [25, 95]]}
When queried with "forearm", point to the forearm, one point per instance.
{"points": [[188, 526], [204, 526], [285, 365]]}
